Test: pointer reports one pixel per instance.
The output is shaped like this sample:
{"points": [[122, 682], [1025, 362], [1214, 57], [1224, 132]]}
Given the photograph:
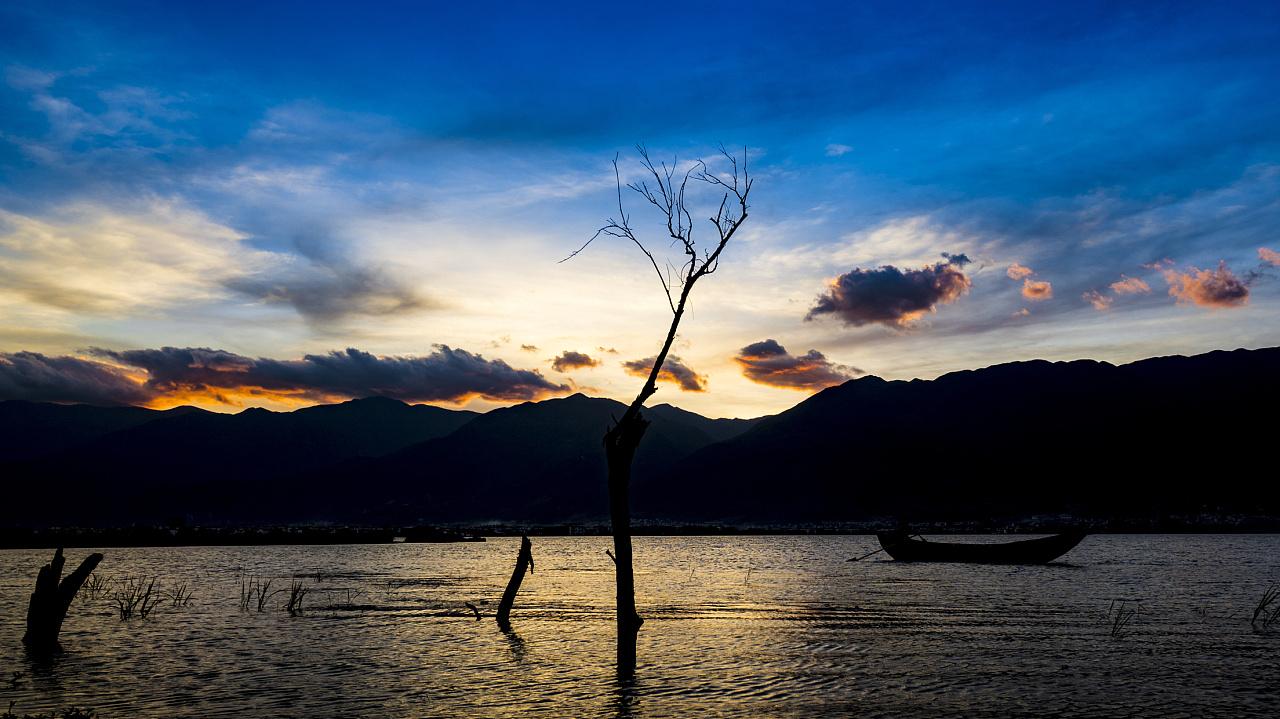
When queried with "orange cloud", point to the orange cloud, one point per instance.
{"points": [[674, 371], [36, 377], [1207, 288], [769, 363], [1100, 302], [1130, 286], [1034, 290], [1037, 290], [1018, 272], [1269, 256], [178, 375], [570, 360]]}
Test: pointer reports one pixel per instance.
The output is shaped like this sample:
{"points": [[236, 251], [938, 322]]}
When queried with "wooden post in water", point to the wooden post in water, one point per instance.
{"points": [[524, 561], [51, 599]]}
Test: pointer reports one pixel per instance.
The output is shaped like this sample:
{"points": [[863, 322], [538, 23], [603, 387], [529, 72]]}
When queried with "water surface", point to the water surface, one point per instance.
{"points": [[735, 627]]}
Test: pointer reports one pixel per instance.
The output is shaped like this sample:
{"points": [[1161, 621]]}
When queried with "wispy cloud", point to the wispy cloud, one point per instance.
{"points": [[1126, 285], [327, 291], [1101, 302], [1130, 286], [95, 260]]}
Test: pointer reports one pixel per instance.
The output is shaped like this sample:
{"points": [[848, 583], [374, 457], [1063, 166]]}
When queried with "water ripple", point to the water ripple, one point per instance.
{"points": [[735, 627]]}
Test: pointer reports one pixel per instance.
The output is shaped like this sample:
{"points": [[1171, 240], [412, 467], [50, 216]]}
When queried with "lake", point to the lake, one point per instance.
{"points": [[734, 627]]}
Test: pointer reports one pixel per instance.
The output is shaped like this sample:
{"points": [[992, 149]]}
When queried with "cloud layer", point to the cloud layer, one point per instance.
{"points": [[674, 371], [769, 363], [173, 374], [891, 296], [38, 378]]}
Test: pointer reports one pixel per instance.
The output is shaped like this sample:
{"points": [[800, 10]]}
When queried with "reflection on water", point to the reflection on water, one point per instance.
{"points": [[735, 626]]}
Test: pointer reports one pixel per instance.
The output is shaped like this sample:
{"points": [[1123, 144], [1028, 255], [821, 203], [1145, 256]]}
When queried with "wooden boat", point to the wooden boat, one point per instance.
{"points": [[904, 548]]}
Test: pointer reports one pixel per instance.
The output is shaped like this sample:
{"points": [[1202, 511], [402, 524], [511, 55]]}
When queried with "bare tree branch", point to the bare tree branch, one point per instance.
{"points": [[670, 194]]}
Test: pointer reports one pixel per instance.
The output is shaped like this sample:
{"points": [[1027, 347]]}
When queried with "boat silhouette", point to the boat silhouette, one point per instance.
{"points": [[904, 548]]}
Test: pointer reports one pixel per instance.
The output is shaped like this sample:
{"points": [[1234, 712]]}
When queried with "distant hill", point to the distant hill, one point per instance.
{"points": [[35, 429], [1159, 436], [541, 461], [372, 460], [1163, 435], [125, 463]]}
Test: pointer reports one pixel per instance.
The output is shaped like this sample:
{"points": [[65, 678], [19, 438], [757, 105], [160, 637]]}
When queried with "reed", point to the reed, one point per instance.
{"points": [[351, 596], [1267, 611], [1119, 616], [136, 596], [264, 593], [95, 586], [297, 592], [179, 596]]}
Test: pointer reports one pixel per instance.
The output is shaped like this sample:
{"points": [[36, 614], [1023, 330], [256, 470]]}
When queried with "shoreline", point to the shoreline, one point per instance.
{"points": [[311, 535]]}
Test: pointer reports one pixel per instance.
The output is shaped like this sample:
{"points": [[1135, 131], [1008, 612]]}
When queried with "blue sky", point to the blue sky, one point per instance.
{"points": [[298, 178]]}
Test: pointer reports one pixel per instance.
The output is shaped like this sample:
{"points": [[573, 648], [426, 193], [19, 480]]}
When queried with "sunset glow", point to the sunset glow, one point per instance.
{"points": [[381, 185]]}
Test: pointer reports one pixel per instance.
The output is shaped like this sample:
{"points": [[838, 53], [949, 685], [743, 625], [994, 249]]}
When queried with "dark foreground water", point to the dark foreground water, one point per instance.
{"points": [[735, 626]]}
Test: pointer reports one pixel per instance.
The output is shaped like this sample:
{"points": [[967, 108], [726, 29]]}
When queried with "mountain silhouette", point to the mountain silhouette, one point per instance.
{"points": [[1169, 435], [131, 464], [34, 429], [536, 461], [1154, 437]]}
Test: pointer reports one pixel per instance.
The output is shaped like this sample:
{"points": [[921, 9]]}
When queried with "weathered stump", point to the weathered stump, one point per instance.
{"points": [[51, 599], [524, 561]]}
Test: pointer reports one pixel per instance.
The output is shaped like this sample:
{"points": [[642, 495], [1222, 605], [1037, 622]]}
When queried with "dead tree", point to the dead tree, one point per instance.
{"points": [[51, 599], [668, 195], [524, 560]]}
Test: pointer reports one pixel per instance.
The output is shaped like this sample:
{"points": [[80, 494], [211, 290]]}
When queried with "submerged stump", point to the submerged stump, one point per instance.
{"points": [[51, 599], [524, 561]]}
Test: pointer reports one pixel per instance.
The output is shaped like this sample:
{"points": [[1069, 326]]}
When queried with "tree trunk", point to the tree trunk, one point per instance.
{"points": [[621, 441], [524, 561], [620, 444], [51, 599]]}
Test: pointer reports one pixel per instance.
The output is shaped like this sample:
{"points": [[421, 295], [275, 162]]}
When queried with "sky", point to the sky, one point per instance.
{"points": [[277, 204]]}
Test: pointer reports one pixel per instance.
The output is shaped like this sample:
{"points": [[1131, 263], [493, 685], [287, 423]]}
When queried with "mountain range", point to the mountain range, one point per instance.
{"points": [[1157, 436]]}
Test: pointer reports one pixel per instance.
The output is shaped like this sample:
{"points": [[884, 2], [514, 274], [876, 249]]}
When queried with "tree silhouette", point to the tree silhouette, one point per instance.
{"points": [[668, 195]]}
